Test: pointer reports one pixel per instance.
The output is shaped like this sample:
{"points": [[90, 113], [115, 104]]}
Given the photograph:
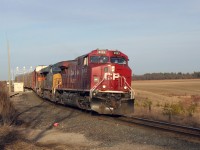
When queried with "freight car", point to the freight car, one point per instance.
{"points": [[31, 80], [99, 81]]}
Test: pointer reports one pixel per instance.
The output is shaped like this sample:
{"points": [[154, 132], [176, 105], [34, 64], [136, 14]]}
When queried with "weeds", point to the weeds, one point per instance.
{"points": [[7, 111], [136, 103], [173, 109], [158, 104], [147, 103], [192, 108], [178, 109], [195, 98]]}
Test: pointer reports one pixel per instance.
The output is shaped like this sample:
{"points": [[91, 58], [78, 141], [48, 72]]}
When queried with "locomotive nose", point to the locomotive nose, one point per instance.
{"points": [[113, 93]]}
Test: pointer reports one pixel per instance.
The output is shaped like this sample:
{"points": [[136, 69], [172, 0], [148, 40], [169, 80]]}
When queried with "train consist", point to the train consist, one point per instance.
{"points": [[99, 81]]}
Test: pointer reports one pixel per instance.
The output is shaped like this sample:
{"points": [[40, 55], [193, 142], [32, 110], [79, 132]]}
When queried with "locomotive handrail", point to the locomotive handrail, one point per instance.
{"points": [[95, 87], [131, 89]]}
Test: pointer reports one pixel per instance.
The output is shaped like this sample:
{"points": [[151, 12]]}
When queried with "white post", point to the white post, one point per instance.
{"points": [[9, 66]]}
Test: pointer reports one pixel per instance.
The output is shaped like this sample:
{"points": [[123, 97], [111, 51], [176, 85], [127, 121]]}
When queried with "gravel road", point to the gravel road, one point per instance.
{"points": [[77, 129]]}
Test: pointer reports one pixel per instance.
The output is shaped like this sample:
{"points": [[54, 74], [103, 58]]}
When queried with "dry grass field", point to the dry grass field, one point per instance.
{"points": [[7, 110], [176, 101]]}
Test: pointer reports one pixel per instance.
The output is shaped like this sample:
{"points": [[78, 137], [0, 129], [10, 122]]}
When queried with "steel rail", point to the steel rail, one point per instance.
{"points": [[162, 125]]}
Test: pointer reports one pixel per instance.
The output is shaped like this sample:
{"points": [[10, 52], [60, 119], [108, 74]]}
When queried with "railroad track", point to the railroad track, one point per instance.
{"points": [[130, 121], [162, 125], [13, 94]]}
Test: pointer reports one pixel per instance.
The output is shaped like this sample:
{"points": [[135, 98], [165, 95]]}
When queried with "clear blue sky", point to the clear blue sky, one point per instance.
{"points": [[157, 35]]}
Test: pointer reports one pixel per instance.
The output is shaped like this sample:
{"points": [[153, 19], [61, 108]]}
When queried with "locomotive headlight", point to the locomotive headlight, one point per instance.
{"points": [[116, 53], [96, 79], [125, 87], [113, 69], [101, 52], [104, 86]]}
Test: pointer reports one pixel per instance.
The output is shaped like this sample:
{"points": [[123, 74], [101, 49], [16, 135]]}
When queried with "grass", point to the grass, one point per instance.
{"points": [[168, 100], [10, 138], [7, 110]]}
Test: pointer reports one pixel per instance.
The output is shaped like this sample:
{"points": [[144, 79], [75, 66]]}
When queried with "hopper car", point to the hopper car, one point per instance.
{"points": [[99, 81]]}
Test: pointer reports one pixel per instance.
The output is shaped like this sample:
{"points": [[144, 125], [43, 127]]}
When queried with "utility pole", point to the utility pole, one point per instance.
{"points": [[9, 66]]}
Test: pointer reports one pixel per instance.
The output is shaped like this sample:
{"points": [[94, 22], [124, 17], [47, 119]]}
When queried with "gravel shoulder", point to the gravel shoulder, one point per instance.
{"points": [[81, 130]]}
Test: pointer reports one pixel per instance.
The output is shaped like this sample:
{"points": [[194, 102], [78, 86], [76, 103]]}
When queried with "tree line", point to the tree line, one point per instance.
{"points": [[165, 76]]}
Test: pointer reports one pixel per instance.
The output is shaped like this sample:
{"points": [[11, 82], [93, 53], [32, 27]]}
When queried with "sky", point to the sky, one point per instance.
{"points": [[157, 35]]}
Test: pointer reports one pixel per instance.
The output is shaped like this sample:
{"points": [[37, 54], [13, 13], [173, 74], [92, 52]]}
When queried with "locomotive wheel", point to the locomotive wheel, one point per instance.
{"points": [[57, 97], [84, 103]]}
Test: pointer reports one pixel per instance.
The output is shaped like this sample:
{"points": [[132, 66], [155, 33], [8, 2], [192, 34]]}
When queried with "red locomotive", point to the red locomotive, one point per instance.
{"points": [[98, 81]]}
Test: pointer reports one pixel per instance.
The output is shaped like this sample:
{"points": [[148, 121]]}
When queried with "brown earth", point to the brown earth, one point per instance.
{"points": [[182, 95]]}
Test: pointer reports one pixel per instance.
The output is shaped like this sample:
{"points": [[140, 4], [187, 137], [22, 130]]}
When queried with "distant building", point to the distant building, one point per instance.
{"points": [[18, 87]]}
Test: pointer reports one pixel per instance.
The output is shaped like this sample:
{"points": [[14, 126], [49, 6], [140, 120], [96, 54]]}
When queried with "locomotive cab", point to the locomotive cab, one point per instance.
{"points": [[110, 91]]}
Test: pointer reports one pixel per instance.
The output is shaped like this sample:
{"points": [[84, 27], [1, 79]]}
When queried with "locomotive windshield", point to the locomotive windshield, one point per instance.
{"points": [[105, 59], [118, 60], [99, 59]]}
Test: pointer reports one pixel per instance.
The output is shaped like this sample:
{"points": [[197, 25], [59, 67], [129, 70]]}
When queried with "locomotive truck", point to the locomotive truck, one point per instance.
{"points": [[99, 81]]}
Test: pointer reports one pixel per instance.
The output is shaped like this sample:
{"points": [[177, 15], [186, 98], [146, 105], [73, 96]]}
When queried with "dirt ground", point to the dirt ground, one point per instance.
{"points": [[76, 129], [181, 96]]}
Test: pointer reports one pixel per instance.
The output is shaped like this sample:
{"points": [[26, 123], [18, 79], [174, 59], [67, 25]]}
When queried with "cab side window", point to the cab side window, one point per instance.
{"points": [[94, 59], [85, 61]]}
